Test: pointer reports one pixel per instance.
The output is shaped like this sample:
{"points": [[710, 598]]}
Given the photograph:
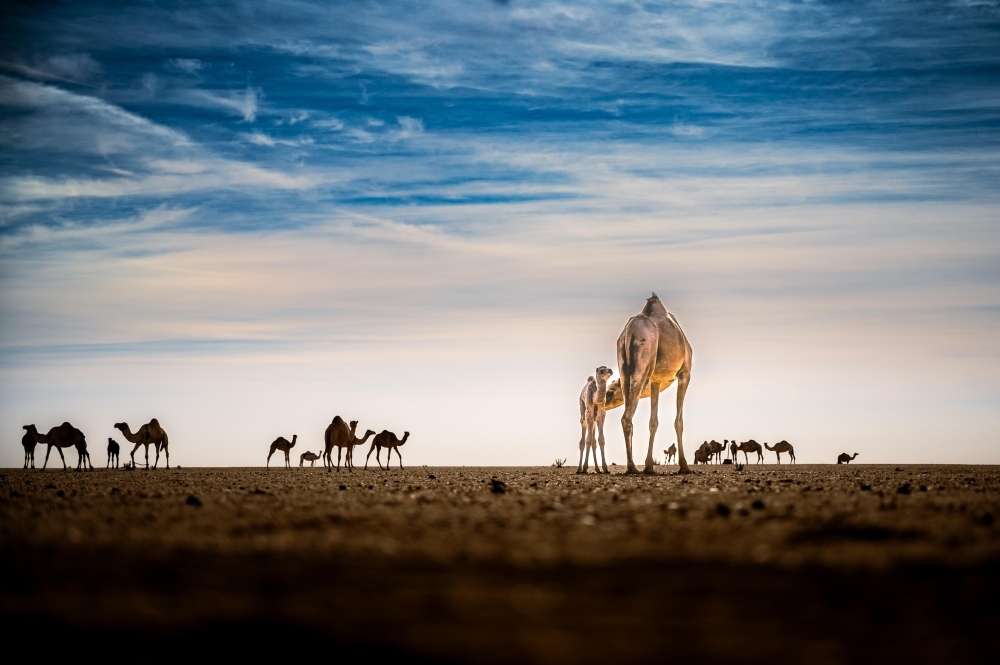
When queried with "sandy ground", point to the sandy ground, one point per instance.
{"points": [[768, 564]]}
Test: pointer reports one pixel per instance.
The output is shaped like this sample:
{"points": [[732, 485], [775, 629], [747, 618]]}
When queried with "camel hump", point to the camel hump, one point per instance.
{"points": [[337, 420]]}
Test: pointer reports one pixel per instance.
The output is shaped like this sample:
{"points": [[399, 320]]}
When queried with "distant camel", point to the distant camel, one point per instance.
{"points": [[701, 456], [310, 457], [355, 441], [592, 416], [716, 449], [284, 445], [653, 353], [337, 434], [670, 453], [28, 442], [751, 446], [63, 436], [113, 449], [844, 458], [733, 450], [782, 447], [149, 434], [386, 439]]}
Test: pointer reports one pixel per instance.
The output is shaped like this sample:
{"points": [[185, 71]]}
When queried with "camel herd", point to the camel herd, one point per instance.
{"points": [[65, 436], [341, 435], [713, 450]]}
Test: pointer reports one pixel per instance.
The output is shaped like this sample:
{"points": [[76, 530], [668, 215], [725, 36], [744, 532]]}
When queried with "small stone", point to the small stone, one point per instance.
{"points": [[757, 505], [722, 509], [192, 500], [343, 487], [432, 476], [498, 486], [903, 489], [866, 488]]}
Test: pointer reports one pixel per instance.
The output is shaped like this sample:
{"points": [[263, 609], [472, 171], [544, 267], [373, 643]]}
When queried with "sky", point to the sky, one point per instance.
{"points": [[436, 217]]}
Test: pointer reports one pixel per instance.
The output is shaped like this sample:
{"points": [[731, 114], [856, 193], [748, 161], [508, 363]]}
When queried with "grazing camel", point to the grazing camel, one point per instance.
{"points": [[284, 445], [28, 443], [782, 447], [310, 457], [653, 353], [670, 453], [355, 441], [149, 434], [591, 417], [844, 458], [337, 434], [63, 436], [751, 446], [113, 450], [386, 439]]}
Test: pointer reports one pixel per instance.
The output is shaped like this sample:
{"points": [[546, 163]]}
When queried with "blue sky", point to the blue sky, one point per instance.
{"points": [[244, 218]]}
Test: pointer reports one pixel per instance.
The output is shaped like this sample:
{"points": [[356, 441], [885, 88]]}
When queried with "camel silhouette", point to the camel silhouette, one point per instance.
{"points": [[310, 457], [284, 445], [113, 450], [337, 434], [386, 439], [733, 450], [844, 458], [355, 441], [149, 434], [592, 416], [63, 436], [751, 446], [28, 443], [670, 453], [653, 353], [782, 447], [716, 450], [701, 456]]}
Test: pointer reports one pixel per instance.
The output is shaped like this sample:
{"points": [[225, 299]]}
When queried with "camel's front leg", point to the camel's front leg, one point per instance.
{"points": [[270, 452], [580, 468], [62, 457], [46, 463], [591, 442], [399, 458], [339, 451], [683, 378], [654, 422], [370, 451], [600, 439]]}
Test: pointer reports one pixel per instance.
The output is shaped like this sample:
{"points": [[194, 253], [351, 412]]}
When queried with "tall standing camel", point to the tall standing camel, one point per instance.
{"points": [[355, 441], [751, 446], [337, 434], [285, 446], [733, 450], [653, 353], [844, 458], [670, 453], [28, 443], [63, 436], [782, 447], [113, 450], [149, 434], [386, 439], [592, 416]]}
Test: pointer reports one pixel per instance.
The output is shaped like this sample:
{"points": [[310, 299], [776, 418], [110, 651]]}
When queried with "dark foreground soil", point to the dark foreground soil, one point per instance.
{"points": [[819, 564]]}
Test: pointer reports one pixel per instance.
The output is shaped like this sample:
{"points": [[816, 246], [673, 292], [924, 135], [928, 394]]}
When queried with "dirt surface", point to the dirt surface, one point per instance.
{"points": [[771, 563]]}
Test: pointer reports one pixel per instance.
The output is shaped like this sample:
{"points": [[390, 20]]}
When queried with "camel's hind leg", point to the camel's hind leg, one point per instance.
{"points": [[591, 444], [654, 422], [62, 457], [399, 458], [370, 451], [683, 378], [600, 440], [269, 453], [580, 468]]}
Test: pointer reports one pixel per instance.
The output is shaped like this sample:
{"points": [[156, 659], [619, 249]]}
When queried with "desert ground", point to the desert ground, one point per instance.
{"points": [[790, 563]]}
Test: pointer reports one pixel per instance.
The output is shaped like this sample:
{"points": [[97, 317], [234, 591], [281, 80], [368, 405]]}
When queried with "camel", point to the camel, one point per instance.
{"points": [[716, 449], [386, 439], [751, 446], [337, 434], [113, 450], [782, 447], [310, 457], [355, 441], [670, 453], [733, 450], [701, 456], [844, 458], [284, 445], [63, 436], [149, 434], [28, 443], [653, 353], [592, 416]]}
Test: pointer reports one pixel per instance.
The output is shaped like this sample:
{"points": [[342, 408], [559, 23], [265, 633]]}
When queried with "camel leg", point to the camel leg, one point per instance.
{"points": [[156, 461], [370, 450], [683, 377], [654, 422], [47, 456], [62, 457], [338, 460], [270, 452], [600, 440], [591, 443], [399, 458], [583, 444]]}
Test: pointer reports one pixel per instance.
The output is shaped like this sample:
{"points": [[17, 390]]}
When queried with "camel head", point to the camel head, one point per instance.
{"points": [[121, 426], [406, 435], [30, 428], [294, 438], [354, 427], [603, 374], [614, 397]]}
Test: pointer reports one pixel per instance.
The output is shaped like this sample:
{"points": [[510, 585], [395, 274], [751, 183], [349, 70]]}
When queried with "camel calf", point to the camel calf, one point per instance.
{"points": [[28, 443], [592, 412], [113, 450], [670, 453]]}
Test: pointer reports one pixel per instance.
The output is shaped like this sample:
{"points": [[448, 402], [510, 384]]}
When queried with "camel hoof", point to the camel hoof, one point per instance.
{"points": [[683, 470], [632, 471], [649, 471]]}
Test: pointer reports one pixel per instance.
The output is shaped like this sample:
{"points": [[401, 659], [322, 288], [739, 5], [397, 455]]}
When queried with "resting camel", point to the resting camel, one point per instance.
{"points": [[782, 447], [653, 353], [386, 439], [591, 417], [337, 434], [310, 457], [284, 445], [113, 449], [670, 453], [355, 441], [150, 433], [63, 436], [844, 458], [701, 456], [28, 443], [751, 446]]}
